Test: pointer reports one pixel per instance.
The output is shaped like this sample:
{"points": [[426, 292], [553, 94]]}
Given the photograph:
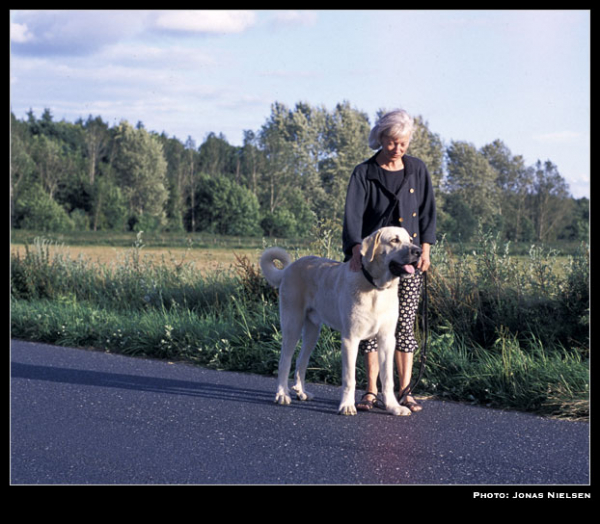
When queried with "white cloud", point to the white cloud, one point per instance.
{"points": [[20, 33], [142, 55], [72, 32], [306, 18], [217, 21]]}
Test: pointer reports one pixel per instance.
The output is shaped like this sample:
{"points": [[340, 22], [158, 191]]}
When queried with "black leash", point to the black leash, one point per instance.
{"points": [[408, 390]]}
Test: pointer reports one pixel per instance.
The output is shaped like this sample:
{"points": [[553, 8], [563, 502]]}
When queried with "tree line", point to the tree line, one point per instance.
{"points": [[286, 178]]}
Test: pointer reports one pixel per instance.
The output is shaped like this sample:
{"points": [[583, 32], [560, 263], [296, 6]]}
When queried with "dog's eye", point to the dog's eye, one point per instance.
{"points": [[395, 240]]}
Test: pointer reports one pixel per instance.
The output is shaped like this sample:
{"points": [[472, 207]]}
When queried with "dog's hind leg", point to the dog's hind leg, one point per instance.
{"points": [[310, 335], [290, 332]]}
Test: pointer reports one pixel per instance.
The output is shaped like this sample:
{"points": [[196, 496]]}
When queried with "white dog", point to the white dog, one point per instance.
{"points": [[360, 305]]}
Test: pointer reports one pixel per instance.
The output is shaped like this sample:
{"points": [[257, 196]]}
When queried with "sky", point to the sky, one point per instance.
{"points": [[522, 77]]}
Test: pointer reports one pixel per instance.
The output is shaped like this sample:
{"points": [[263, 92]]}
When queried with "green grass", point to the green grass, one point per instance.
{"points": [[151, 240], [509, 332], [513, 374]]}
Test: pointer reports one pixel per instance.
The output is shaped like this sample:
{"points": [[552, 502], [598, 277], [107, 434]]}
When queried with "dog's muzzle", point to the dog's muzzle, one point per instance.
{"points": [[400, 270]]}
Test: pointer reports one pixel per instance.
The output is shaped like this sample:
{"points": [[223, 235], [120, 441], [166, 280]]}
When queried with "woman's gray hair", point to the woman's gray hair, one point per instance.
{"points": [[395, 124]]}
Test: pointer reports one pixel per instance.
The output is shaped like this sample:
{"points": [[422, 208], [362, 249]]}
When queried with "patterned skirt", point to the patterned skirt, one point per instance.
{"points": [[409, 292]]}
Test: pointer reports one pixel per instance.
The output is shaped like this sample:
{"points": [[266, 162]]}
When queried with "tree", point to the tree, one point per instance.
{"points": [[110, 206], [224, 207], [514, 181], [22, 165], [550, 202], [471, 176], [217, 156], [141, 173], [176, 156], [279, 167], [252, 161], [578, 228], [48, 158], [96, 142], [304, 129], [428, 146], [458, 221], [346, 146], [189, 182], [294, 146]]}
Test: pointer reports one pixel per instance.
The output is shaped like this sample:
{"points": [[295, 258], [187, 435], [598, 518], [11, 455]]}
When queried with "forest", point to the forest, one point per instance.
{"points": [[287, 177]]}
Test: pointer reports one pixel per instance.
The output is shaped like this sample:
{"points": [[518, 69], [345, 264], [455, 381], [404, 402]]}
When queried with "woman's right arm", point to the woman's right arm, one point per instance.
{"points": [[356, 260], [353, 215]]}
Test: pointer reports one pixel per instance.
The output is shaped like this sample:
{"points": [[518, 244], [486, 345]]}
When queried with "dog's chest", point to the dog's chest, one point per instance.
{"points": [[373, 312]]}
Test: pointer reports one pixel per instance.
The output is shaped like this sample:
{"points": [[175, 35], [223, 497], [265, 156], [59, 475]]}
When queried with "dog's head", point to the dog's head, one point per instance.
{"points": [[389, 252]]}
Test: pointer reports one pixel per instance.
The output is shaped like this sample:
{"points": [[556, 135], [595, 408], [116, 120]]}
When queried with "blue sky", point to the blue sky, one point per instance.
{"points": [[519, 76]]}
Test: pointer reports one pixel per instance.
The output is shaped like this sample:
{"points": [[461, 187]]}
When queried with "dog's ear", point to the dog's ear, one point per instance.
{"points": [[370, 245]]}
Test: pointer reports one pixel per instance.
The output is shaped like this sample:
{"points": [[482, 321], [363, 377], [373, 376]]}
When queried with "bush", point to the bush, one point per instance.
{"points": [[539, 295], [226, 208], [37, 210]]}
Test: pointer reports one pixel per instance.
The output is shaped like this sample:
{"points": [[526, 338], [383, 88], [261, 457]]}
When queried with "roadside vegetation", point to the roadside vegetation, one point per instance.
{"points": [[506, 330]]}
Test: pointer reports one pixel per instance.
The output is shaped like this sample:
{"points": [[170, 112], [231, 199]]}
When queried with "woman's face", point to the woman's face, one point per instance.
{"points": [[394, 147]]}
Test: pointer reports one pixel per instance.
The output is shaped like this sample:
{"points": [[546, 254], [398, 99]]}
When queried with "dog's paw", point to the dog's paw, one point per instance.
{"points": [[302, 394], [282, 399], [347, 409], [399, 410]]}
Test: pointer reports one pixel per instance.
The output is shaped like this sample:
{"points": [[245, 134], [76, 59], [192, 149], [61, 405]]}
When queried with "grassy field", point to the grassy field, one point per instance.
{"points": [[207, 253], [203, 259], [509, 331]]}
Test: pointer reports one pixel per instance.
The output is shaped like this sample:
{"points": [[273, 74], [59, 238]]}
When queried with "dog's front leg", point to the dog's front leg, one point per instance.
{"points": [[349, 354], [386, 345]]}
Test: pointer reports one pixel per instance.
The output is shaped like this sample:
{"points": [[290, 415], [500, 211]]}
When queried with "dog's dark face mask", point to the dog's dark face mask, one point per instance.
{"points": [[411, 257]]}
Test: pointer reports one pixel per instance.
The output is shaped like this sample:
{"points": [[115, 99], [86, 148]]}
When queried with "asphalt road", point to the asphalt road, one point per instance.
{"points": [[87, 417]]}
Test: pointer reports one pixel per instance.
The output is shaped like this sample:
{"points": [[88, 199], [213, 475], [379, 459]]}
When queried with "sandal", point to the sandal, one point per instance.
{"points": [[365, 404], [413, 405]]}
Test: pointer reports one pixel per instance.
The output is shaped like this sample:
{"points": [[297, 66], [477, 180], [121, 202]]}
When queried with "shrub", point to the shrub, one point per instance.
{"points": [[537, 296], [37, 210], [226, 208]]}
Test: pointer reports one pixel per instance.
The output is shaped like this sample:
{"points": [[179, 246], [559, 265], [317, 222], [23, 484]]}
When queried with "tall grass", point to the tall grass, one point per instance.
{"points": [[489, 293], [506, 332]]}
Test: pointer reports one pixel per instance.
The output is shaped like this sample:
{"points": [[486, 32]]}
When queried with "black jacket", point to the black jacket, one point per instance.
{"points": [[370, 205]]}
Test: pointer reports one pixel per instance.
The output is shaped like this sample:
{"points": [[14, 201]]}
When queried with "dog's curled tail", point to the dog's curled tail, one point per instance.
{"points": [[267, 264]]}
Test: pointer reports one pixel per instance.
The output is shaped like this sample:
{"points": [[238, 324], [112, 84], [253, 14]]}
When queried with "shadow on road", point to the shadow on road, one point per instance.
{"points": [[207, 390]]}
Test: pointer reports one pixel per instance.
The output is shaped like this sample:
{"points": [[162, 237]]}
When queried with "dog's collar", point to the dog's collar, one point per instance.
{"points": [[369, 277]]}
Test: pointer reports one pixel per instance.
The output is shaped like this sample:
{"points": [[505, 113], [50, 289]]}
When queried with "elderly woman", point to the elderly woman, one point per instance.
{"points": [[391, 188]]}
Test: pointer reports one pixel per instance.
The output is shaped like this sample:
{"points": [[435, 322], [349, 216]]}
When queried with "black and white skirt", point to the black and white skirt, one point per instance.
{"points": [[409, 293]]}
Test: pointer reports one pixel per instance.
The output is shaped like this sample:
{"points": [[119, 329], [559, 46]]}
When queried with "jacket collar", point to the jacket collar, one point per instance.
{"points": [[374, 173], [372, 165]]}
